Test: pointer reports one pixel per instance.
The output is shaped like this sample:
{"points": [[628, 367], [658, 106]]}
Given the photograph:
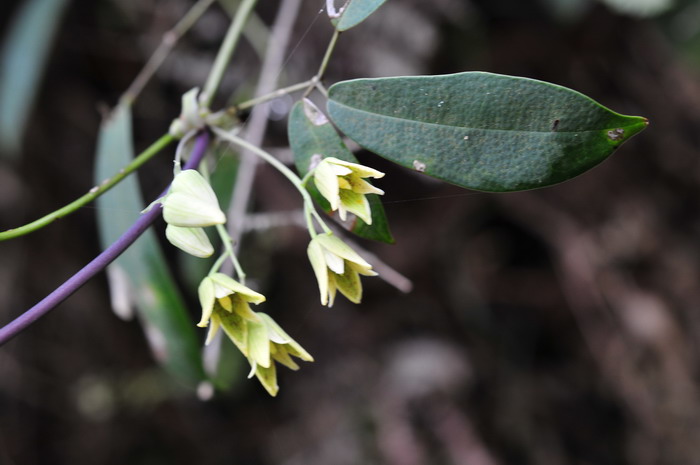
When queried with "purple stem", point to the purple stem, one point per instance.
{"points": [[100, 262]]}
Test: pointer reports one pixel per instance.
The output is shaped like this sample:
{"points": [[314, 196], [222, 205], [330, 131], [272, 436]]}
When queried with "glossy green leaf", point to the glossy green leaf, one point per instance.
{"points": [[148, 281], [24, 56], [479, 130], [310, 133], [355, 12]]}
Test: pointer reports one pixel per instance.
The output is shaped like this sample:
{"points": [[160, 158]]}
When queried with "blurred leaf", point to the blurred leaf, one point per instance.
{"points": [[310, 133], [23, 59], [479, 130], [151, 288], [639, 7], [355, 12]]}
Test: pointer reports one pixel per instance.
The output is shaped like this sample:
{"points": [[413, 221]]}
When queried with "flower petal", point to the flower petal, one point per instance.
{"points": [[238, 288], [359, 185], [268, 378], [357, 204], [194, 241], [213, 329], [361, 170], [335, 245], [335, 263], [318, 263], [327, 184], [206, 300], [349, 285], [291, 346], [259, 343], [236, 329]]}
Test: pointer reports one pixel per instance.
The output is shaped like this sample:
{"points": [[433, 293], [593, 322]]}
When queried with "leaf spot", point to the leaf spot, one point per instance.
{"points": [[555, 125], [616, 134], [419, 166], [466, 137]]}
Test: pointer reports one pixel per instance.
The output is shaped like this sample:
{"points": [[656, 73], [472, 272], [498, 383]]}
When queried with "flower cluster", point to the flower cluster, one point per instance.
{"points": [[226, 305], [191, 205]]}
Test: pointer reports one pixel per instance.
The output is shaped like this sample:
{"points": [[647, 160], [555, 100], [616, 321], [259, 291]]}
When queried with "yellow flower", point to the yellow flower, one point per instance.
{"points": [[226, 304], [342, 184], [268, 343], [337, 267]]}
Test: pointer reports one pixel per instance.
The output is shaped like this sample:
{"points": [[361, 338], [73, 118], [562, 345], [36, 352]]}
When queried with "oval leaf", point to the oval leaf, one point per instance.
{"points": [[310, 133], [355, 12], [478, 130], [151, 287]]}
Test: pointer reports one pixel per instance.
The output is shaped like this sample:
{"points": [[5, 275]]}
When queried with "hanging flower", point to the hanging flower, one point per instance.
{"points": [[268, 343], [226, 304], [337, 267], [342, 184]]}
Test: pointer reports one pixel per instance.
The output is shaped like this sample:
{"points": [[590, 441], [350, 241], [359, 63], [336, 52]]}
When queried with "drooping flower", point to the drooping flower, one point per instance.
{"points": [[269, 343], [342, 184], [191, 202], [226, 305], [337, 267]]}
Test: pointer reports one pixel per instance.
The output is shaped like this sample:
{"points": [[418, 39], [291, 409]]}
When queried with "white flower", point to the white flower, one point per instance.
{"points": [[191, 202]]}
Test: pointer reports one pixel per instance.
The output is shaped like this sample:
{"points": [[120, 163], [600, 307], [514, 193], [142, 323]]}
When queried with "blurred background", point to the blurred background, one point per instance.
{"points": [[557, 326]]}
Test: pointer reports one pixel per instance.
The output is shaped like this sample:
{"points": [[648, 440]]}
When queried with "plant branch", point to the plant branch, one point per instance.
{"points": [[95, 192], [100, 262], [226, 51], [270, 96], [316, 80], [167, 43], [269, 74]]}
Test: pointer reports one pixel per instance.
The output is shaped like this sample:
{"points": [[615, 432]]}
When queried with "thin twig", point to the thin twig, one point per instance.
{"points": [[226, 51], [167, 43], [272, 64], [95, 192]]}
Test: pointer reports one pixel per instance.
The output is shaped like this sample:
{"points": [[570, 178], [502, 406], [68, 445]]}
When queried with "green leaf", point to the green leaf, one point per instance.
{"points": [[22, 62], [149, 283], [355, 12], [479, 130], [310, 133]]}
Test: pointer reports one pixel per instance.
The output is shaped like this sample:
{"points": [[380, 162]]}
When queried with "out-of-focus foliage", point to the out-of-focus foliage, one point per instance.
{"points": [[24, 55]]}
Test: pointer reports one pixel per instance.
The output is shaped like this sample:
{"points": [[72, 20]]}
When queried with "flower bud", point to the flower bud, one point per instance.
{"points": [[191, 202]]}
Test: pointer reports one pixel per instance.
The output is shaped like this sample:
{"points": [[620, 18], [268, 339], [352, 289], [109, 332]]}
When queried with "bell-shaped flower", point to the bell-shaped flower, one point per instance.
{"points": [[267, 344], [194, 241], [191, 202], [342, 184], [220, 292], [337, 267]]}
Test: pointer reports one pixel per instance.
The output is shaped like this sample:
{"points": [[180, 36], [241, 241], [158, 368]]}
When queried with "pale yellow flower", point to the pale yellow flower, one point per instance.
{"points": [[342, 184], [337, 267]]}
